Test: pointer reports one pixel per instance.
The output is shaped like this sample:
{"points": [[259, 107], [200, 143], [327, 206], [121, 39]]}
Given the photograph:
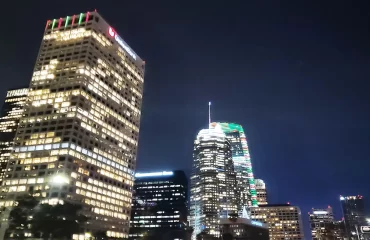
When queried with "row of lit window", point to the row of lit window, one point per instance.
{"points": [[110, 213], [74, 153], [103, 205], [110, 187], [78, 33], [103, 191], [101, 197]]}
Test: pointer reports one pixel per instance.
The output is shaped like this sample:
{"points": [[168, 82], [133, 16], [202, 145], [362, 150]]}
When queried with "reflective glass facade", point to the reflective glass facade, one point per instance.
{"points": [[11, 112], [353, 208], [159, 207]]}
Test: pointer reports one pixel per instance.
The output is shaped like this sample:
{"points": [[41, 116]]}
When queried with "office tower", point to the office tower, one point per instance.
{"points": [[322, 223], [11, 112], [247, 195], [78, 138], [353, 208], [284, 220], [159, 206], [213, 181], [243, 229], [261, 192]]}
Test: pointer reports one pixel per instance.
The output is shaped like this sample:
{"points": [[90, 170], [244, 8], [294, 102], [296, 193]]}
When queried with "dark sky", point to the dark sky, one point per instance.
{"points": [[295, 74]]}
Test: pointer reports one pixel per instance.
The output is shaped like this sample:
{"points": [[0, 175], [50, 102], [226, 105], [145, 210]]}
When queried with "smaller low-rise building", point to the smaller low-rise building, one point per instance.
{"points": [[284, 220], [243, 229]]}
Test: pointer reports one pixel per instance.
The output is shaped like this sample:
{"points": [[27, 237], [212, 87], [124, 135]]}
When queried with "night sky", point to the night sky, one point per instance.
{"points": [[295, 74]]}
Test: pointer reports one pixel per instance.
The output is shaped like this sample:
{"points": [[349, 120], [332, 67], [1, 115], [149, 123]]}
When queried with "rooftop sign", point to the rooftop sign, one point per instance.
{"points": [[154, 174], [122, 43]]}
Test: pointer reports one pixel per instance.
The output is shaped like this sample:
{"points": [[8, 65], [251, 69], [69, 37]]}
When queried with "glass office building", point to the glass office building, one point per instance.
{"points": [[159, 206], [11, 112]]}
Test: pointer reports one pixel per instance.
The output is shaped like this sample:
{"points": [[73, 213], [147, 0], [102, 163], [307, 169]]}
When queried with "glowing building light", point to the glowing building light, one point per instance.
{"points": [[67, 20], [87, 16], [60, 22], [73, 19], [80, 20], [53, 25], [154, 174], [47, 23], [320, 212], [257, 223], [59, 179]]}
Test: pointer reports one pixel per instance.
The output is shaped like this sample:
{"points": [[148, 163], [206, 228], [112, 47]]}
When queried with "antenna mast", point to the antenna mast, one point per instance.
{"points": [[209, 114]]}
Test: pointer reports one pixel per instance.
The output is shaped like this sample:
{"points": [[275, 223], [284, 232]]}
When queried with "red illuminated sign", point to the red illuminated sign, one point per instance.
{"points": [[111, 32]]}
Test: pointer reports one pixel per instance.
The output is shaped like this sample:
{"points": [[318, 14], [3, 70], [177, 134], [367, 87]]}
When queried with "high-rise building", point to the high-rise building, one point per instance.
{"points": [[353, 208], [246, 189], [159, 206], [78, 137], [11, 112], [284, 220], [322, 223], [261, 192], [213, 182]]}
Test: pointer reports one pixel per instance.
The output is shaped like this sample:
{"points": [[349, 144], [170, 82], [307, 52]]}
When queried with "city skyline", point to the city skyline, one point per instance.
{"points": [[290, 87]]}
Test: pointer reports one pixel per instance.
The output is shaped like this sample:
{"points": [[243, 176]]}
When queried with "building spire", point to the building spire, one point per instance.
{"points": [[209, 115]]}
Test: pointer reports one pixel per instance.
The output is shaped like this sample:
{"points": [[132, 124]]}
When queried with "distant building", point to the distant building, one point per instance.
{"points": [[11, 112], [284, 220], [353, 208], [261, 192], [322, 223], [213, 182], [243, 229], [159, 206]]}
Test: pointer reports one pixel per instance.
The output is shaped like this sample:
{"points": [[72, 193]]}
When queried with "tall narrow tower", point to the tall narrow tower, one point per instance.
{"points": [[77, 140], [213, 181], [247, 195]]}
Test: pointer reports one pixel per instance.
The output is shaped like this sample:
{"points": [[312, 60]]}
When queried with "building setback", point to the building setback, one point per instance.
{"points": [[11, 112], [353, 208], [213, 182], [77, 140], [159, 207], [284, 220]]}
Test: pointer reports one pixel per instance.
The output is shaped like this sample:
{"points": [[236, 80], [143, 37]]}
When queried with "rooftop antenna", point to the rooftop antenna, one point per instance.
{"points": [[209, 115]]}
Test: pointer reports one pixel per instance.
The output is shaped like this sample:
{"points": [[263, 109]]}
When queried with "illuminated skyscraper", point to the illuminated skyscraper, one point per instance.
{"points": [[284, 221], [261, 192], [213, 181], [11, 112], [322, 223], [78, 138], [353, 208], [247, 195]]}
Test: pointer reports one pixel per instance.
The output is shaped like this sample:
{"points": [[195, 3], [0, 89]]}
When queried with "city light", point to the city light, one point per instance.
{"points": [[320, 212], [154, 174], [59, 179]]}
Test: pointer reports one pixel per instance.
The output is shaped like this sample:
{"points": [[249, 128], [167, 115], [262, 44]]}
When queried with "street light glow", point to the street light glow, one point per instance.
{"points": [[59, 179]]}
